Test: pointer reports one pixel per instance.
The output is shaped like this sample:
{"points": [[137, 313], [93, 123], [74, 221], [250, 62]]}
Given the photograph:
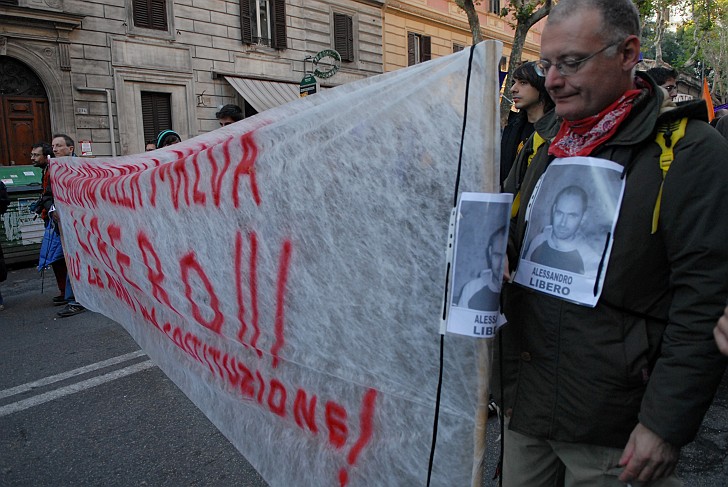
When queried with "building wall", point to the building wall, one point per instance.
{"points": [[81, 48], [446, 24]]}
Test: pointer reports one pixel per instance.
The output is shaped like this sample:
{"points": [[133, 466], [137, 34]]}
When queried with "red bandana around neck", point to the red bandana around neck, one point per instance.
{"points": [[581, 137]]}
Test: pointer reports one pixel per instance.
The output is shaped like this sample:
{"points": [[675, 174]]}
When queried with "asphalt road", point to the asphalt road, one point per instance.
{"points": [[96, 411], [81, 405]]}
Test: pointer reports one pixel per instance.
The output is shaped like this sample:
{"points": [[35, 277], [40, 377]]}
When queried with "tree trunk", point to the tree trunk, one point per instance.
{"points": [[473, 19], [660, 33], [523, 25], [519, 39]]}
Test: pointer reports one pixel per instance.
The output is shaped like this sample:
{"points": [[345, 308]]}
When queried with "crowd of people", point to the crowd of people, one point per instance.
{"points": [[51, 251]]}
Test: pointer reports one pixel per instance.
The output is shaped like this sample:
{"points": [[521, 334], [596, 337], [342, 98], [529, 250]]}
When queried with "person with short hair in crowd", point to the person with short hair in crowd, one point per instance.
{"points": [[4, 202], [721, 122], [149, 146], [665, 77], [229, 114], [165, 138], [63, 146], [51, 250], [607, 393], [532, 101]]}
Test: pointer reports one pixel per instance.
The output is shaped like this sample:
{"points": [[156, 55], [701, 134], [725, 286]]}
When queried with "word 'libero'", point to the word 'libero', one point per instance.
{"points": [[547, 285], [87, 185]]}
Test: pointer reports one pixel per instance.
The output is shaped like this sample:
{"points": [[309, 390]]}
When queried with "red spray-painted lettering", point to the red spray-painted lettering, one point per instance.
{"points": [[189, 263], [87, 185]]}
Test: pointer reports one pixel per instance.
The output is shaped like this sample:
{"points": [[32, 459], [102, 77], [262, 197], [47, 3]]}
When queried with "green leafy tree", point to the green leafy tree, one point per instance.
{"points": [[713, 51]]}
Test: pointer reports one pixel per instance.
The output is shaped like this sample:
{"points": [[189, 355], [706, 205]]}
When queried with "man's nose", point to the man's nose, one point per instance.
{"points": [[554, 79]]}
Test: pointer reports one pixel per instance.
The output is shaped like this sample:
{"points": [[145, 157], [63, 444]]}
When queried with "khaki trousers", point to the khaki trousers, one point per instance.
{"points": [[530, 462]]}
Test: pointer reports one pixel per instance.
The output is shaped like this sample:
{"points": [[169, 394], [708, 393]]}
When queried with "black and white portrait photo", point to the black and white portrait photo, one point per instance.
{"points": [[571, 219], [478, 260]]}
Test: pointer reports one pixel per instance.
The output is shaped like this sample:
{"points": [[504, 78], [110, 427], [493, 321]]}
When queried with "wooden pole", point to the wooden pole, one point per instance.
{"points": [[491, 184]]}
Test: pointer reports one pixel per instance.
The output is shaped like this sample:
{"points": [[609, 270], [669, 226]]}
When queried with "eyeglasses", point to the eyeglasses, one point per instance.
{"points": [[567, 67]]}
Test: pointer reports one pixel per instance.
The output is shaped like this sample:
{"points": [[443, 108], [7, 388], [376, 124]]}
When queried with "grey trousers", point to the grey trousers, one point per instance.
{"points": [[531, 462]]}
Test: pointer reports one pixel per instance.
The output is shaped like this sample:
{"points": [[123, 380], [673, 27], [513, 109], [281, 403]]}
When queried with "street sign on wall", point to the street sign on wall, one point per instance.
{"points": [[308, 85]]}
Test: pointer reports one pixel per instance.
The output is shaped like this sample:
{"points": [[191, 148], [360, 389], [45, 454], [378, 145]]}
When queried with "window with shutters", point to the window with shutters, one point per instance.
{"points": [[495, 6], [418, 48], [457, 47], [150, 14], [156, 113], [152, 18], [344, 36], [264, 22]]}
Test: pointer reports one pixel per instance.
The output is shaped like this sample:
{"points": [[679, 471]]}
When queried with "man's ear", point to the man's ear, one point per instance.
{"points": [[630, 52]]}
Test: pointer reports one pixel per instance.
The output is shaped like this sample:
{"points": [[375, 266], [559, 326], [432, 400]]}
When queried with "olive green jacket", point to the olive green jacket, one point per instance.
{"points": [[646, 352]]}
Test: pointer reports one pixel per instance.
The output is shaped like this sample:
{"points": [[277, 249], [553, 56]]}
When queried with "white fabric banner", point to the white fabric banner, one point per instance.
{"points": [[287, 271]]}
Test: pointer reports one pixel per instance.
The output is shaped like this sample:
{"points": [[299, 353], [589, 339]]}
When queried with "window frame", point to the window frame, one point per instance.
{"points": [[276, 24], [343, 30], [419, 48], [133, 29], [155, 97]]}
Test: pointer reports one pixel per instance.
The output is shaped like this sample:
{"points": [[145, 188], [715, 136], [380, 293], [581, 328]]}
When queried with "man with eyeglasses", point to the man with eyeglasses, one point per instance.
{"points": [[63, 146], [607, 394], [666, 78]]}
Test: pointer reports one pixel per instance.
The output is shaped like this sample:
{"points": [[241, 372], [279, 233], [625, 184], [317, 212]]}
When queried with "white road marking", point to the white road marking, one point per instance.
{"points": [[71, 373], [73, 388]]}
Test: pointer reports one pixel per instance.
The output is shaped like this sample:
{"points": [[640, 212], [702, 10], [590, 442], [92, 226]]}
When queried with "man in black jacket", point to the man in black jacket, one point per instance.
{"points": [[532, 101], [607, 393]]}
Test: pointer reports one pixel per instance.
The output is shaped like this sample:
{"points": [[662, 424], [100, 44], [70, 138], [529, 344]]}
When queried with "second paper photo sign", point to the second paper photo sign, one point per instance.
{"points": [[481, 234]]}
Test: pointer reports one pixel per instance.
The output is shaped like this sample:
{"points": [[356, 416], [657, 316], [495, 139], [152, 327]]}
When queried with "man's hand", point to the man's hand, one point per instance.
{"points": [[721, 332], [647, 457], [57, 220], [507, 270]]}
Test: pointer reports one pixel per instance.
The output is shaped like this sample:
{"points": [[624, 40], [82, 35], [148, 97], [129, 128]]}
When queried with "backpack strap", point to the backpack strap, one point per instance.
{"points": [[538, 141], [668, 134]]}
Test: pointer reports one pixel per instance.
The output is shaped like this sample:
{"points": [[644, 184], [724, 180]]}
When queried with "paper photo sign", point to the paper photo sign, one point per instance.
{"points": [[571, 219], [481, 235]]}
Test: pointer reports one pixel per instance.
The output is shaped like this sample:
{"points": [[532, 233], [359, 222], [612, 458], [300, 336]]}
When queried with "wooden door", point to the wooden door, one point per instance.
{"points": [[24, 112], [25, 121]]}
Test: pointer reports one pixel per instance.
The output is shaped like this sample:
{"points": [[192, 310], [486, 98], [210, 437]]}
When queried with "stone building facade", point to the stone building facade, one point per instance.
{"points": [[105, 71], [115, 72], [417, 30]]}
